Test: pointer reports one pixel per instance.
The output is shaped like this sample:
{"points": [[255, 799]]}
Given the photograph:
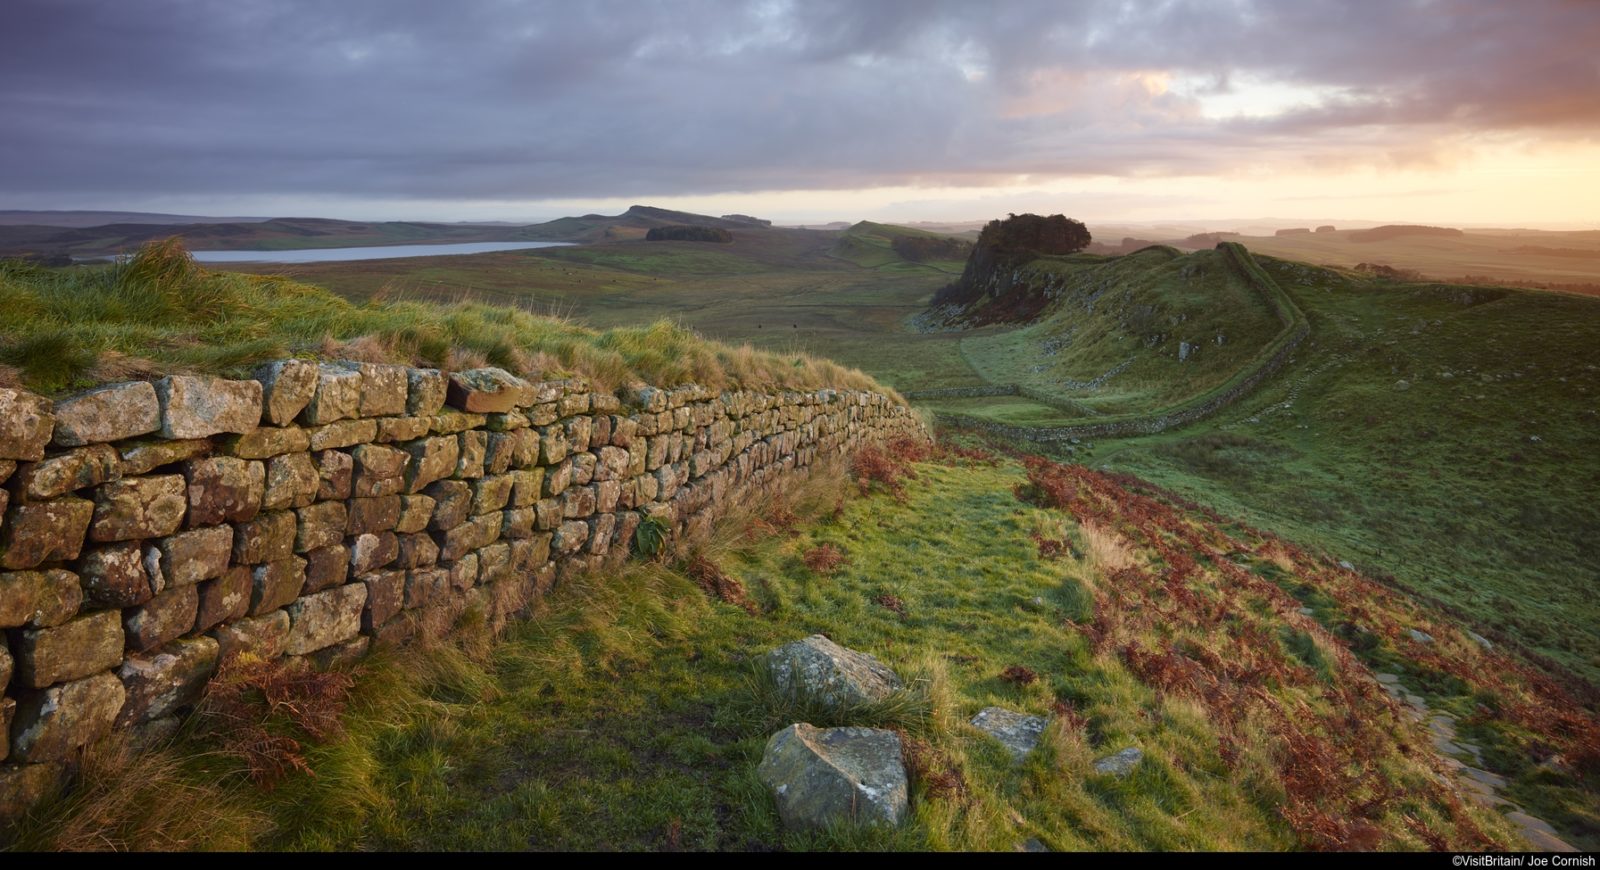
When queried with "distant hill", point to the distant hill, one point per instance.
{"points": [[1395, 231], [15, 217]]}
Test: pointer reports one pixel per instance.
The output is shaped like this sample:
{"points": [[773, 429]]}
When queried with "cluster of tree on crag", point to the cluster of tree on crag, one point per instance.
{"points": [[1387, 272], [1005, 245], [920, 249], [747, 219], [684, 233]]}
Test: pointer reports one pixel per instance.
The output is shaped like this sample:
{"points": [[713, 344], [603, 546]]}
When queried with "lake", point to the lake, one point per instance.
{"points": [[382, 252]]}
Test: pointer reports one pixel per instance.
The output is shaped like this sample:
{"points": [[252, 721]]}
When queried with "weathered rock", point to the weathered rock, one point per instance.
{"points": [[37, 532], [485, 391], [335, 472], [143, 457], [578, 431], [138, 507], [26, 424], [1017, 732], [38, 599], [25, 786], [337, 396], [426, 391], [547, 514], [286, 388], [518, 523], [115, 575], [68, 472], [372, 515], [600, 529], [474, 444], [266, 442], [1419, 636], [49, 725], [109, 413], [431, 459], [320, 525], [450, 422], [470, 535], [165, 617], [68, 651], [291, 482], [578, 502], [345, 433], [417, 551], [1120, 764], [223, 489], [383, 389], [269, 537], [326, 618], [200, 554], [158, 685], [224, 599], [199, 407], [379, 470], [552, 444], [452, 504], [825, 776], [491, 493], [326, 567], [403, 428], [275, 584], [370, 552], [385, 596], [494, 562], [425, 585], [557, 479], [264, 636], [571, 536], [819, 668], [525, 486], [415, 512]]}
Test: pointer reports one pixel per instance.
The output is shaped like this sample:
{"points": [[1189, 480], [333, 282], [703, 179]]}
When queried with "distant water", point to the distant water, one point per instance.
{"points": [[383, 252]]}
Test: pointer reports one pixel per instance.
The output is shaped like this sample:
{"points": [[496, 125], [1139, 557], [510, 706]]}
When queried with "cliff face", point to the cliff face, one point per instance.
{"points": [[995, 268]]}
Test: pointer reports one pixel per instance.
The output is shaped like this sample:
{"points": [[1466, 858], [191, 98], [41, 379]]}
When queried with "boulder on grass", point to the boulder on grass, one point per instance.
{"points": [[829, 672], [823, 776], [1018, 732]]}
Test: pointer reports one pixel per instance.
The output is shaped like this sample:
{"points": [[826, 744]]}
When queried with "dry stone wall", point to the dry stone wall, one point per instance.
{"points": [[151, 529]]}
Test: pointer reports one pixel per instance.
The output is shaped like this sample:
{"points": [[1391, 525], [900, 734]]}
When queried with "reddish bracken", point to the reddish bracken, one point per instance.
{"points": [[251, 703], [716, 583], [1020, 675], [824, 559], [933, 768], [890, 601]]}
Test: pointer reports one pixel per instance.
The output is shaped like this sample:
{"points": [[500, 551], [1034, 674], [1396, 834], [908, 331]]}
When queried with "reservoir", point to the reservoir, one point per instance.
{"points": [[382, 252]]}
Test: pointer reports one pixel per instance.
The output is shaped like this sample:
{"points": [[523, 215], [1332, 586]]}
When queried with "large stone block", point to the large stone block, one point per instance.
{"points": [[464, 572], [383, 389], [326, 567], [425, 585], [557, 479], [138, 507], [50, 725], [526, 486], [263, 636], [578, 431], [600, 529], [491, 493], [485, 391], [26, 786], [67, 472], [417, 551], [268, 537], [165, 617], [369, 552], [426, 392], [818, 668], [291, 482], [109, 413], [345, 433], [474, 444], [379, 470], [494, 562], [372, 515], [337, 396], [145, 456], [68, 651], [518, 523], [578, 502], [224, 599], [268, 441], [477, 532], [320, 525], [452, 504], [415, 512], [335, 472], [547, 514], [275, 584], [200, 554], [223, 489], [822, 777], [571, 536], [26, 424], [326, 618], [117, 575], [286, 388], [385, 597], [583, 465], [39, 599], [199, 407], [552, 444], [161, 683], [431, 459], [392, 429], [37, 532]]}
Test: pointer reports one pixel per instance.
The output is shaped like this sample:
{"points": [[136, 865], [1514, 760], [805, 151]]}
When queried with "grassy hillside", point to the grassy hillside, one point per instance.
{"points": [[159, 312], [870, 245], [631, 713]]}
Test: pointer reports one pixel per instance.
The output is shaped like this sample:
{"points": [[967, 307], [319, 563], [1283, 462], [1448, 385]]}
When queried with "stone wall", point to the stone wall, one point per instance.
{"points": [[151, 529]]}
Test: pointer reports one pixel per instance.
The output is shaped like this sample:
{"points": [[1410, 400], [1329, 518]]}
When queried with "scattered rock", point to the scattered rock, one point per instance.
{"points": [[1018, 732], [1480, 640], [1120, 764], [1539, 833], [1419, 636], [830, 672], [823, 776]]}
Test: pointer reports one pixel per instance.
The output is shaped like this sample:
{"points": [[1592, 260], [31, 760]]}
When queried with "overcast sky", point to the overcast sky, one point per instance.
{"points": [[1484, 111]]}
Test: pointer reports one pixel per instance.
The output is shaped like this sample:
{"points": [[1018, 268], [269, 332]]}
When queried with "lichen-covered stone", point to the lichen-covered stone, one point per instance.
{"points": [[385, 597], [518, 523], [485, 391], [491, 493], [109, 413], [224, 599], [223, 489], [470, 535], [50, 725], [25, 786], [286, 388], [369, 552], [415, 511], [392, 429], [552, 444], [68, 472], [816, 667], [822, 777], [547, 514], [138, 507], [426, 392], [450, 422], [326, 618], [275, 584], [269, 537], [577, 403], [143, 457], [452, 504], [606, 495], [337, 396], [344, 433], [372, 515], [320, 525], [526, 486], [417, 551], [192, 556], [39, 599], [326, 567], [37, 532], [68, 651], [1120, 764], [199, 407], [291, 482], [115, 575], [158, 684], [571, 536], [600, 529], [165, 617], [335, 472], [557, 479], [1018, 732], [26, 424], [431, 459], [578, 431], [263, 636], [425, 585], [494, 562], [379, 470], [583, 465], [464, 572], [383, 389], [474, 444]]}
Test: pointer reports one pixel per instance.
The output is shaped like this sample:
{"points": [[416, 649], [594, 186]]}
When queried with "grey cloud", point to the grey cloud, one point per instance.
{"points": [[518, 100]]}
